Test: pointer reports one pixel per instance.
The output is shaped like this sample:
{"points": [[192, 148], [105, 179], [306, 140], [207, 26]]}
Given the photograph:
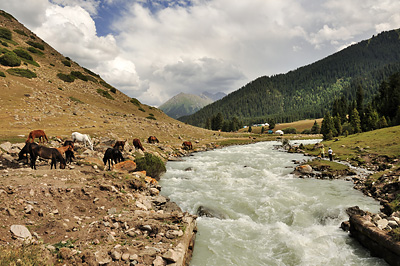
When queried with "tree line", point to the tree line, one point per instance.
{"points": [[359, 115]]}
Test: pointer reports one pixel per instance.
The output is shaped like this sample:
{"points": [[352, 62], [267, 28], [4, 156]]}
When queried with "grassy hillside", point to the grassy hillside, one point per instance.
{"points": [[62, 97], [308, 92], [300, 126]]}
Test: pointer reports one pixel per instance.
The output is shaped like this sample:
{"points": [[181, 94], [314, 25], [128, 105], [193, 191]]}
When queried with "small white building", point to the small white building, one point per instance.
{"points": [[279, 132]]}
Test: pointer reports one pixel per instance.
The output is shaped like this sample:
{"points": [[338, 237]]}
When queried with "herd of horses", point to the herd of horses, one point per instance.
{"points": [[111, 156]]}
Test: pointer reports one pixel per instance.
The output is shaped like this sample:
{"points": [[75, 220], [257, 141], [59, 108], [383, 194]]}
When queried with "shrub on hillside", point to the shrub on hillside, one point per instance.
{"points": [[26, 73], [36, 45], [135, 101], [104, 94], [35, 51], [65, 77], [4, 43], [289, 130], [5, 34], [152, 164], [20, 32], [91, 73], [10, 59], [66, 63], [108, 86], [2, 74], [79, 75], [23, 54]]}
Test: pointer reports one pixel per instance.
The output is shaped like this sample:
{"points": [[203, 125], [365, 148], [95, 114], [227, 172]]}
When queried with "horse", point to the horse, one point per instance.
{"points": [[112, 155], [47, 153], [187, 145], [76, 136], [37, 134], [153, 139], [69, 154], [25, 151], [119, 144], [137, 144]]}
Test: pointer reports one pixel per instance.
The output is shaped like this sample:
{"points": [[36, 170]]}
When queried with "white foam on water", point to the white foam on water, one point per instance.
{"points": [[273, 218]]}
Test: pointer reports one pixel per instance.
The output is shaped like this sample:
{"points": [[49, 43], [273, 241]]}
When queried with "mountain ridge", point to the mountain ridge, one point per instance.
{"points": [[308, 91], [184, 104]]}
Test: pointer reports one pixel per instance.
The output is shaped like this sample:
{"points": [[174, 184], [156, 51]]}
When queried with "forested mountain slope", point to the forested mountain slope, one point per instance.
{"points": [[308, 92]]}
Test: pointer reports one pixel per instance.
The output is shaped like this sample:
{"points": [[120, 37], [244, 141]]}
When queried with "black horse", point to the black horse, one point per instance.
{"points": [[23, 154], [69, 154], [112, 155], [47, 153]]}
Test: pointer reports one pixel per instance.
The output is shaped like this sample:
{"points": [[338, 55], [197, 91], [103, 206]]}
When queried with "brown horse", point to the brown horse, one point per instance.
{"points": [[46, 153], [37, 134], [119, 144], [137, 144], [153, 139], [187, 145]]}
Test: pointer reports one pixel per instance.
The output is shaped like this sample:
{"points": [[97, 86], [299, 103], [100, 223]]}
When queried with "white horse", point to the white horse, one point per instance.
{"points": [[76, 136]]}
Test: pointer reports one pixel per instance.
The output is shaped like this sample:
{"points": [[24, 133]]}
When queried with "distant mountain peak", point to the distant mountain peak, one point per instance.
{"points": [[184, 104]]}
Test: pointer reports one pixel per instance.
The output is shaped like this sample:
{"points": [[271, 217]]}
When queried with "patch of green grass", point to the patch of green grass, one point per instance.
{"points": [[104, 94], [26, 73], [331, 166], [395, 234], [75, 99], [24, 255]]}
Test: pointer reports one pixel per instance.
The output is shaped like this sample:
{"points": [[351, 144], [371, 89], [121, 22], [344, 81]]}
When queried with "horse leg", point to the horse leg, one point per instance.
{"points": [[33, 161], [53, 162]]}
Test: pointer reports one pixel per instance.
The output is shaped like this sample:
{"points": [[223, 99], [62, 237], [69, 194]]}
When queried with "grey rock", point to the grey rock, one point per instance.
{"points": [[20, 231]]}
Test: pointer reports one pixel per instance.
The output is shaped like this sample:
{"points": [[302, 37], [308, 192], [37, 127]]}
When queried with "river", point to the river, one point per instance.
{"points": [[271, 217]]}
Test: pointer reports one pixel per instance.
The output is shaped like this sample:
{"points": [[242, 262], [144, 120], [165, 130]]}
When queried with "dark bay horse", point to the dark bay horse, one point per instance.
{"points": [[112, 155], [69, 153], [26, 150], [46, 153], [37, 134]]}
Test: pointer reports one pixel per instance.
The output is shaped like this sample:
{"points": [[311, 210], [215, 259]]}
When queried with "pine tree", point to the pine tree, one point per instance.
{"points": [[327, 127], [355, 121], [338, 125], [315, 128]]}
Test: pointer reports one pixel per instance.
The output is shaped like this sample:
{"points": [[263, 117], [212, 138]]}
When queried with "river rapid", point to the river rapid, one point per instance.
{"points": [[271, 216]]}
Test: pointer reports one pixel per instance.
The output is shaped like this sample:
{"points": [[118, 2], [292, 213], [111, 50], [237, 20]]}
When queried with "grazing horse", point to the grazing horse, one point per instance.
{"points": [[25, 151], [76, 136], [152, 139], [37, 134], [69, 154], [187, 145], [137, 144], [120, 144], [112, 155], [47, 153]]}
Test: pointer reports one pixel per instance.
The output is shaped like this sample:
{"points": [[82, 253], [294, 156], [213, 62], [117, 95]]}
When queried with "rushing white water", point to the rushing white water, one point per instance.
{"points": [[272, 217]]}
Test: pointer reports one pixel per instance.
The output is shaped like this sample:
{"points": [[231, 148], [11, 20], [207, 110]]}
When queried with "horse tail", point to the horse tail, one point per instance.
{"points": [[29, 137]]}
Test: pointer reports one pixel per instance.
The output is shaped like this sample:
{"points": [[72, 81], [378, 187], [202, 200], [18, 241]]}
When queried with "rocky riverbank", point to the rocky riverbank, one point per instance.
{"points": [[377, 232], [84, 215]]}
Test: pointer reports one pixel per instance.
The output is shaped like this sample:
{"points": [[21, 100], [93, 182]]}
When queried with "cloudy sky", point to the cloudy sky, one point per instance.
{"points": [[155, 49]]}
